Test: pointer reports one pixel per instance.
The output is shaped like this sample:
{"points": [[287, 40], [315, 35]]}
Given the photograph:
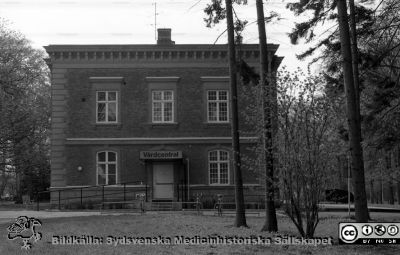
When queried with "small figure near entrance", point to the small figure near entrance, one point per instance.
{"points": [[218, 205], [198, 202], [142, 198]]}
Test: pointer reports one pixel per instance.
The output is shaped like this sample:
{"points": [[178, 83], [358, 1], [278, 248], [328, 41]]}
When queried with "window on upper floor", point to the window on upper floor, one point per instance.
{"points": [[217, 106], [106, 168], [106, 106], [163, 106], [218, 166]]}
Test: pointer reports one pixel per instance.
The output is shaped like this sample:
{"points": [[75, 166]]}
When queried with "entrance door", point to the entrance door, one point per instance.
{"points": [[163, 181]]}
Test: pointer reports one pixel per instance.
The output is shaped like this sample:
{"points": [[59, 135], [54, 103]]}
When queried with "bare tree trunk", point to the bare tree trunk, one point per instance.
{"points": [[271, 223], [18, 188], [372, 192], [239, 198], [360, 197], [380, 191], [344, 172], [391, 192], [4, 179], [354, 53]]}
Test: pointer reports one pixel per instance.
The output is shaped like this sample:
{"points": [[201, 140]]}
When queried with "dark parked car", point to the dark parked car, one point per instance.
{"points": [[338, 196]]}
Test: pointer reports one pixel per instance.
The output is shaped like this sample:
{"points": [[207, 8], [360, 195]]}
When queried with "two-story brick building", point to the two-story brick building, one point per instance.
{"points": [[155, 115]]}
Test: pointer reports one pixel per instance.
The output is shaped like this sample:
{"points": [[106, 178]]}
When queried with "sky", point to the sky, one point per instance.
{"points": [[46, 22]]}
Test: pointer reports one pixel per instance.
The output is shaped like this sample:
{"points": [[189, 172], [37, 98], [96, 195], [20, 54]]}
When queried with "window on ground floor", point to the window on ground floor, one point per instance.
{"points": [[218, 165], [106, 168]]}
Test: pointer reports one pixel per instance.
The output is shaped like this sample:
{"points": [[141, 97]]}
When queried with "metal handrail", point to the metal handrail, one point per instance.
{"points": [[59, 191], [92, 186], [182, 196]]}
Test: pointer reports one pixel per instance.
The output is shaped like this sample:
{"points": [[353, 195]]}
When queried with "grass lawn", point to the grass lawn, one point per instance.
{"points": [[177, 224]]}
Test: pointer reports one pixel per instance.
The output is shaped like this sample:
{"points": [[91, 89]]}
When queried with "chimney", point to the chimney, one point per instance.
{"points": [[164, 36]]}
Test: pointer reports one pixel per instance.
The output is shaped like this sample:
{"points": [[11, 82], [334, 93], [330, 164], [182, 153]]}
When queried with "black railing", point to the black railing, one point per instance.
{"points": [[102, 194], [182, 192], [209, 200], [139, 187]]}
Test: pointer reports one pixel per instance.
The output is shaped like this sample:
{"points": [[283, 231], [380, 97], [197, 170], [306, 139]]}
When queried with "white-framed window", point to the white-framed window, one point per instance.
{"points": [[106, 168], [218, 166], [163, 106], [106, 106], [217, 106]]}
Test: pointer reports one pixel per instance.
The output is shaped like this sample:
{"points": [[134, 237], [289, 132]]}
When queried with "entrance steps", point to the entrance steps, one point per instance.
{"points": [[161, 206], [121, 205]]}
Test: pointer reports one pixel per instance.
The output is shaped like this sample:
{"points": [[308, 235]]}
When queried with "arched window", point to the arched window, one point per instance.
{"points": [[218, 166], [106, 167]]}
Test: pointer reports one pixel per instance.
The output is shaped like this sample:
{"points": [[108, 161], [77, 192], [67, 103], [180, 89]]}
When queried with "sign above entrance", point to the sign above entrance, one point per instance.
{"points": [[160, 154]]}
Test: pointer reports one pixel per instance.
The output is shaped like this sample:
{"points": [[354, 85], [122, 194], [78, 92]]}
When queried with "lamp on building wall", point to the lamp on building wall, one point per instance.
{"points": [[80, 168]]}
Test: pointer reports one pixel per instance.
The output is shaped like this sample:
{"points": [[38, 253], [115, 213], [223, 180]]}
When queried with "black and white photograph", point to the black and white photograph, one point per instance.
{"points": [[199, 127]]}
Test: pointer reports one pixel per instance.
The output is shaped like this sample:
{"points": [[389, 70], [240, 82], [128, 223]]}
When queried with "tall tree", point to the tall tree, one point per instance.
{"points": [[217, 12], [354, 54], [24, 110], [239, 198], [267, 100], [360, 198], [377, 40], [382, 82]]}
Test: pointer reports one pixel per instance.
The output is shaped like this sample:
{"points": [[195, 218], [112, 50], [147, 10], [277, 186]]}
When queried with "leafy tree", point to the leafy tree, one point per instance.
{"points": [[25, 111], [323, 11], [378, 33], [377, 29], [381, 99], [382, 72], [305, 146]]}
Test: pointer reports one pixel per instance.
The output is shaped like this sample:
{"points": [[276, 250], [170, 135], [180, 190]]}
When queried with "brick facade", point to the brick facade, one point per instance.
{"points": [[134, 71]]}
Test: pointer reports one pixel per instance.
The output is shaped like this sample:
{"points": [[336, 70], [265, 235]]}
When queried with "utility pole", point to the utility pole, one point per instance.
{"points": [[239, 198], [271, 224]]}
